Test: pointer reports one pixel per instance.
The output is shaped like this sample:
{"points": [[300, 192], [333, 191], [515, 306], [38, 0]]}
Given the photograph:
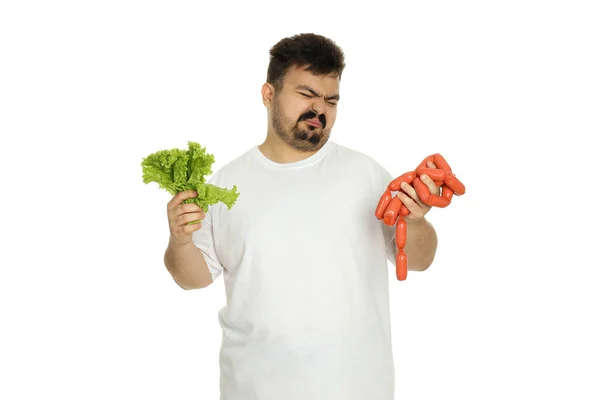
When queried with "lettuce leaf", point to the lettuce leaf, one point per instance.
{"points": [[178, 170]]}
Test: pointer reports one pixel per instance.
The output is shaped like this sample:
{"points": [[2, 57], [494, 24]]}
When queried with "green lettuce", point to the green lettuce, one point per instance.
{"points": [[179, 170]]}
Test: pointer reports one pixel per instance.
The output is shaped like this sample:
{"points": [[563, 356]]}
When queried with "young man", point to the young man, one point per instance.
{"points": [[304, 259]]}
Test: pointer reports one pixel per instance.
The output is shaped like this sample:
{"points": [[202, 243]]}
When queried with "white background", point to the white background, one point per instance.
{"points": [[507, 91]]}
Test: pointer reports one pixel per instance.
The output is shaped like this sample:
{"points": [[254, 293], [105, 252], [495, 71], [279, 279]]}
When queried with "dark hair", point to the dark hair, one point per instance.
{"points": [[318, 54]]}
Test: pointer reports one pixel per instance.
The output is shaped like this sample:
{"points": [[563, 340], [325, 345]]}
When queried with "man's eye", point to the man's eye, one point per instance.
{"points": [[332, 103], [305, 95]]}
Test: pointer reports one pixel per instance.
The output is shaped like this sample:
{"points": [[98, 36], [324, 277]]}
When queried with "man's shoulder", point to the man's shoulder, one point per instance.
{"points": [[231, 168], [366, 163], [357, 156]]}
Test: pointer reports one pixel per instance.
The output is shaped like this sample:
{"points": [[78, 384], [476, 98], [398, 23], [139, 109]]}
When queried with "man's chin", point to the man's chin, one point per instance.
{"points": [[313, 138]]}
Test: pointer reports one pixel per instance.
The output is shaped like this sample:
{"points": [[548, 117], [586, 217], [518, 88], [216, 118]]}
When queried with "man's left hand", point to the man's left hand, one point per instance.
{"points": [[411, 200]]}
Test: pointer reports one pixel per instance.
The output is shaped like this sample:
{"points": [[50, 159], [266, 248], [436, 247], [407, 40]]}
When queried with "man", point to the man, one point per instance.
{"points": [[303, 256]]}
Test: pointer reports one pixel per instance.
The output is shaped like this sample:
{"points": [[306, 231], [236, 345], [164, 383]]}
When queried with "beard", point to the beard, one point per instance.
{"points": [[303, 139]]}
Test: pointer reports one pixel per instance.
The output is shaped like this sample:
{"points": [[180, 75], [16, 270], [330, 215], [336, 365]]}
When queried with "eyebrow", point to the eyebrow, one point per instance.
{"points": [[309, 89]]}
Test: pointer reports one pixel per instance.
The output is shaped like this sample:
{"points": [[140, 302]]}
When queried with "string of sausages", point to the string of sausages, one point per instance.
{"points": [[392, 210]]}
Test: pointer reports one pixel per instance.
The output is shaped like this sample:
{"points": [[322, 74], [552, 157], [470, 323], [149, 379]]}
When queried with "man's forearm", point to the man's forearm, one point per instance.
{"points": [[187, 266], [421, 245]]}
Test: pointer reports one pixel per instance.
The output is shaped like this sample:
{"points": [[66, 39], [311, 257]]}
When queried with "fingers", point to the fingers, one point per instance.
{"points": [[192, 207], [184, 219], [189, 217], [175, 211], [185, 213], [191, 228], [180, 197], [412, 193], [411, 200], [183, 224], [430, 184], [416, 211]]}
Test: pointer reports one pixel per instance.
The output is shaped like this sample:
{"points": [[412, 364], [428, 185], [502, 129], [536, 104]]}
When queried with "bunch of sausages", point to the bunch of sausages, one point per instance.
{"points": [[392, 211]]}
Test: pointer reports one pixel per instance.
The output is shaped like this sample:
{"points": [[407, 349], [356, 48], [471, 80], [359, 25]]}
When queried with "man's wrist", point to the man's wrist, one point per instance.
{"points": [[417, 222], [174, 243]]}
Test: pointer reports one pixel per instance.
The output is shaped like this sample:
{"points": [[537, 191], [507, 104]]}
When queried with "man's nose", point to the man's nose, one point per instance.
{"points": [[319, 105]]}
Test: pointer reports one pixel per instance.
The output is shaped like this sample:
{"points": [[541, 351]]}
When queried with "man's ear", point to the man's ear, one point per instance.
{"points": [[268, 92]]}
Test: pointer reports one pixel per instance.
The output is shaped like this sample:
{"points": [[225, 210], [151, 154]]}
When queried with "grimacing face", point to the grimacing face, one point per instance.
{"points": [[304, 110]]}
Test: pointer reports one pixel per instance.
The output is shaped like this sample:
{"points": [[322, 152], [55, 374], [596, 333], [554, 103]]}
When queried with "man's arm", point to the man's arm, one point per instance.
{"points": [[187, 265], [421, 244]]}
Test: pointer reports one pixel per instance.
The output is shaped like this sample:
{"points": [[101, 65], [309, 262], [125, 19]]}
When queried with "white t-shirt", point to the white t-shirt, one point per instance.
{"points": [[305, 266]]}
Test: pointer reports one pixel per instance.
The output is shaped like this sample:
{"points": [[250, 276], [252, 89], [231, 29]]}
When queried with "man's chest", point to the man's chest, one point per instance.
{"points": [[299, 214]]}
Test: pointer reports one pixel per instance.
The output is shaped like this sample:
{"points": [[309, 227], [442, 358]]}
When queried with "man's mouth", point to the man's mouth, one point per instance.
{"points": [[314, 122]]}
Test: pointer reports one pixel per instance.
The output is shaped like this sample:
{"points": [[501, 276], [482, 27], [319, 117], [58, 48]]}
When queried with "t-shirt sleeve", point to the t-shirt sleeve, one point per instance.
{"points": [[389, 232], [204, 240]]}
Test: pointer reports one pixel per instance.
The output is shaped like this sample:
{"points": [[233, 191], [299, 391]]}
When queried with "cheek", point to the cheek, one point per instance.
{"points": [[294, 112], [331, 116], [287, 117]]}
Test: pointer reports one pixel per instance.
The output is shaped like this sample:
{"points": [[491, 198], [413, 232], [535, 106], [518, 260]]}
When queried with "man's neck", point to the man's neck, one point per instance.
{"points": [[276, 150]]}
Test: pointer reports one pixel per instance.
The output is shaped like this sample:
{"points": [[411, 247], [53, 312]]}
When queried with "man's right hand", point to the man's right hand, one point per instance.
{"points": [[180, 214]]}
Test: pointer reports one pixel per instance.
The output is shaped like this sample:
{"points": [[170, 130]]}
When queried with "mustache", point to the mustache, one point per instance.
{"points": [[311, 115]]}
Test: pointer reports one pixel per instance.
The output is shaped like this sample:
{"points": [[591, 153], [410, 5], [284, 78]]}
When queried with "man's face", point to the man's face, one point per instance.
{"points": [[304, 110]]}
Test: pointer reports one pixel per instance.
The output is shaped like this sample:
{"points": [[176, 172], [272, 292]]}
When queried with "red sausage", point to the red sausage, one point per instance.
{"points": [[393, 211], [404, 211], [424, 162], [407, 177], [422, 190], [401, 233], [435, 174], [383, 203], [401, 265], [447, 193], [453, 183], [440, 162]]}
